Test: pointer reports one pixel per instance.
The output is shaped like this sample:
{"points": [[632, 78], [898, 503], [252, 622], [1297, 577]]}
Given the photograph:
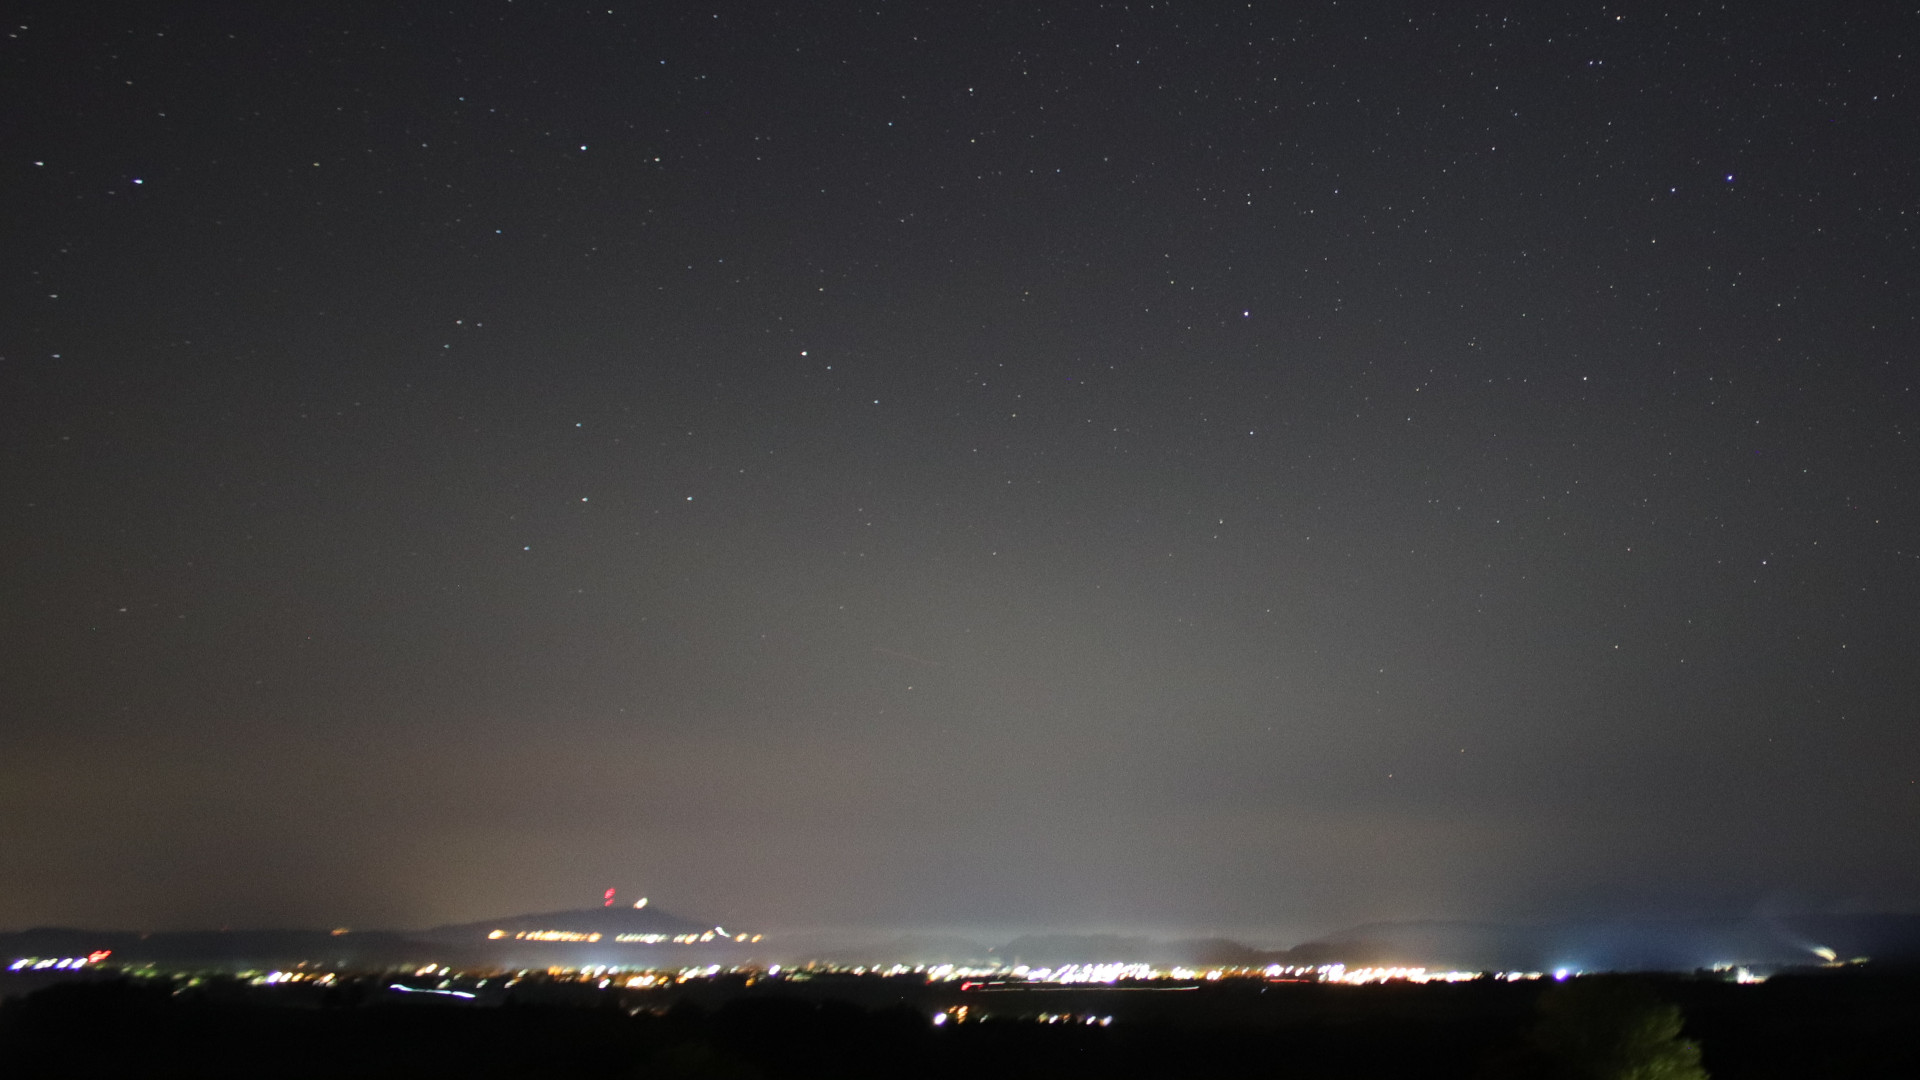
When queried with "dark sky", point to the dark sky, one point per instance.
{"points": [[1172, 466]]}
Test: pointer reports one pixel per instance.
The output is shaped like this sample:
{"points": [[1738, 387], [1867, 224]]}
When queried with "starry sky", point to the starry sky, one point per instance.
{"points": [[1180, 466]]}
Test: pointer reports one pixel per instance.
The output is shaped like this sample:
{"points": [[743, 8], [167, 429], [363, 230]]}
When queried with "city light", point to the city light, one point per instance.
{"points": [[698, 937], [1340, 973], [443, 993], [961, 1014], [66, 963], [556, 935], [1118, 976]]}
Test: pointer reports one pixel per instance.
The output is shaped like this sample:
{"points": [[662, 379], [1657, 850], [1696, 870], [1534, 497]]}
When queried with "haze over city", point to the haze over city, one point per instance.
{"points": [[1172, 469]]}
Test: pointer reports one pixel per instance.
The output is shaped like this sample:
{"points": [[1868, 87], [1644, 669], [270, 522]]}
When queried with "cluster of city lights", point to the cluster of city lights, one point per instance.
{"points": [[1360, 976], [1114, 972], [59, 963], [401, 988], [960, 1014], [282, 978], [970, 978], [715, 934], [443, 980], [590, 936], [1081, 974]]}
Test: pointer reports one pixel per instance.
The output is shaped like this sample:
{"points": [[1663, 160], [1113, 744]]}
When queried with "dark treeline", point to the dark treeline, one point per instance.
{"points": [[1854, 1026]]}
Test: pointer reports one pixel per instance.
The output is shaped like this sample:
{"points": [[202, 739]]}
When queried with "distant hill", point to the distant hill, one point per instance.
{"points": [[584, 937], [1626, 945], [1055, 949], [592, 936], [1599, 945], [609, 922], [234, 949], [568, 938], [930, 949]]}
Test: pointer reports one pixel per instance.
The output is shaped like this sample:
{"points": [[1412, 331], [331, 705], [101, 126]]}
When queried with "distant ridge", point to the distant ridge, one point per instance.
{"points": [[656, 937], [1681, 945], [599, 935], [1049, 949], [234, 949], [1627, 944], [606, 921]]}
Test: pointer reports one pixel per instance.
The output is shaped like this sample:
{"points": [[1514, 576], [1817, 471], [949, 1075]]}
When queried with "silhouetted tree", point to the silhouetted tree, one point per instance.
{"points": [[1611, 1028]]}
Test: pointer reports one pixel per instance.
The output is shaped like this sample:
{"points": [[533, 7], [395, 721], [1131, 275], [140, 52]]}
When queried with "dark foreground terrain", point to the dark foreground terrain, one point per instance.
{"points": [[1856, 1025]]}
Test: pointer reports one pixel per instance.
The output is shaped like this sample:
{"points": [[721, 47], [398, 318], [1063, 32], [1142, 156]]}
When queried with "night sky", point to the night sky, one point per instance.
{"points": [[1179, 467]]}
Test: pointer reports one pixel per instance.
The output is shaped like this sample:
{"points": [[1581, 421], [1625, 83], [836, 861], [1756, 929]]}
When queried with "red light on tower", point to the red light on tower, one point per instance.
{"points": [[609, 902]]}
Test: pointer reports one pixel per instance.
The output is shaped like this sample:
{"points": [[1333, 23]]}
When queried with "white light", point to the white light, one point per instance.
{"points": [[442, 993]]}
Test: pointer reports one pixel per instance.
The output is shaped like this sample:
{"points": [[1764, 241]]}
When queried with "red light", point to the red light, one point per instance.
{"points": [[98, 955], [609, 902]]}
